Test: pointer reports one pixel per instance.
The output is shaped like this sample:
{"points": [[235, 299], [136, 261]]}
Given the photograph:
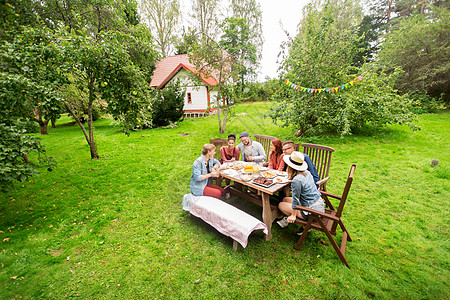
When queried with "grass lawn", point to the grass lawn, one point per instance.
{"points": [[114, 227]]}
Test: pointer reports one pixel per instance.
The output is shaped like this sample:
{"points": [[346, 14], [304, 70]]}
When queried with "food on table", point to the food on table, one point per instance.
{"points": [[279, 179], [238, 166], [248, 169], [263, 180], [268, 174], [246, 177]]}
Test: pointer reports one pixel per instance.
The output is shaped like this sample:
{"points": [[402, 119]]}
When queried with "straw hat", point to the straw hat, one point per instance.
{"points": [[296, 161]]}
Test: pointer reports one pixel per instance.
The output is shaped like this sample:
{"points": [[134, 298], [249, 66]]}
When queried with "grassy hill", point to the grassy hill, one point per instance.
{"points": [[115, 227]]}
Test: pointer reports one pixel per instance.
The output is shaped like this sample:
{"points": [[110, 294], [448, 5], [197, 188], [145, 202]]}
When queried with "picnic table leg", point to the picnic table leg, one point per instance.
{"points": [[267, 215], [235, 245]]}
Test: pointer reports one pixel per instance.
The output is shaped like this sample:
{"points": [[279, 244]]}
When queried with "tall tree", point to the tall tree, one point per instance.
{"points": [[206, 14], [321, 59], [250, 10], [235, 40], [211, 59], [420, 44], [162, 17]]}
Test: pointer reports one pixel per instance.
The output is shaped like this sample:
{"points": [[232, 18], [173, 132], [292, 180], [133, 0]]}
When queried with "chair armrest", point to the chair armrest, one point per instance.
{"points": [[321, 182], [317, 213], [330, 195]]}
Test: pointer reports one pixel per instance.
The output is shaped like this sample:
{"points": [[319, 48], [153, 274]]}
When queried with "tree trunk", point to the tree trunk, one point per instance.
{"points": [[81, 126], [43, 127], [53, 123], [92, 147]]}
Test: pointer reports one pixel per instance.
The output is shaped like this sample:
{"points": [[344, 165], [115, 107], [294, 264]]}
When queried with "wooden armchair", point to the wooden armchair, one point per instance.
{"points": [[321, 158], [328, 221]]}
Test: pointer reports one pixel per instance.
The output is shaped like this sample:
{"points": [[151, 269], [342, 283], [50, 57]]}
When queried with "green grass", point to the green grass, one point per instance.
{"points": [[114, 227]]}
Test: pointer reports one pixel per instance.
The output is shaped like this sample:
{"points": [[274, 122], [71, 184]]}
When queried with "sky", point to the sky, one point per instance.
{"points": [[290, 13]]}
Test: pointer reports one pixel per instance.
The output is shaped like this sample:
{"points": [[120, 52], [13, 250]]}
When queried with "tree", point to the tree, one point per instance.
{"points": [[31, 77], [321, 57], [250, 10], [235, 41], [420, 45], [213, 60], [162, 17], [205, 14], [104, 67]]}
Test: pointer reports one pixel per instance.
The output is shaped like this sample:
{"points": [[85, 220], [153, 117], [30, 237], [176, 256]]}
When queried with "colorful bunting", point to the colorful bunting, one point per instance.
{"points": [[326, 90]]}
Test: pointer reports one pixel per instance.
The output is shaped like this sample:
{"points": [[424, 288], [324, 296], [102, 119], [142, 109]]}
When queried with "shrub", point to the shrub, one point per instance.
{"points": [[168, 105]]}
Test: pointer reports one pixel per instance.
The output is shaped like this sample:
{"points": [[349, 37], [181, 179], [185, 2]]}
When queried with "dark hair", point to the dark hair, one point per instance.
{"points": [[232, 137]]}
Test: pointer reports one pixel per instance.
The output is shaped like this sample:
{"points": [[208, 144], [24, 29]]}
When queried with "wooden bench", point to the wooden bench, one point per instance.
{"points": [[225, 218]]}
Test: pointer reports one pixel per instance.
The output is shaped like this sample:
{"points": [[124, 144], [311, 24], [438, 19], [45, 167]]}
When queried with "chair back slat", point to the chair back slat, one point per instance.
{"points": [[265, 142], [321, 158]]}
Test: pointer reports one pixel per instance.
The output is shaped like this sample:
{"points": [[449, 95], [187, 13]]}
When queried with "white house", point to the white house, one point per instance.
{"points": [[200, 98]]}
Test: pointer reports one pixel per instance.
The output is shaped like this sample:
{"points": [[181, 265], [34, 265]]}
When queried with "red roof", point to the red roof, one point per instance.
{"points": [[169, 66]]}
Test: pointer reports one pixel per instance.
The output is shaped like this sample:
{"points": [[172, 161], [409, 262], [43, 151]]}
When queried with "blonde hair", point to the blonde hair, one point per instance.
{"points": [[291, 172], [207, 147]]}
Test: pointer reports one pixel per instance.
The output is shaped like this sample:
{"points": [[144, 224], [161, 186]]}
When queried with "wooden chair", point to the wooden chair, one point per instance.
{"points": [[321, 158], [265, 142], [328, 221], [218, 143]]}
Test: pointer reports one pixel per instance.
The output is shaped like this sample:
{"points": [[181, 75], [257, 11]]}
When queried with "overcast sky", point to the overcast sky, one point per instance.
{"points": [[289, 12]]}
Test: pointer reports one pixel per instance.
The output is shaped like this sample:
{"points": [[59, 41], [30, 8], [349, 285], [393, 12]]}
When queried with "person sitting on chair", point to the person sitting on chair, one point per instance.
{"points": [[276, 161], [304, 191], [230, 152], [205, 167], [251, 150], [288, 149]]}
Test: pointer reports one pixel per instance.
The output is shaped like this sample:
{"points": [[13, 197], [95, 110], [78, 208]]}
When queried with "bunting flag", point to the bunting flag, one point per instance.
{"points": [[325, 90]]}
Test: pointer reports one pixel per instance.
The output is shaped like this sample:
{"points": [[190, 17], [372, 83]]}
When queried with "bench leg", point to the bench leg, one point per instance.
{"points": [[235, 245]]}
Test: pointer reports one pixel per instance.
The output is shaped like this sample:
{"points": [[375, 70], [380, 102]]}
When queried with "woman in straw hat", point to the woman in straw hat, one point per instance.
{"points": [[304, 190]]}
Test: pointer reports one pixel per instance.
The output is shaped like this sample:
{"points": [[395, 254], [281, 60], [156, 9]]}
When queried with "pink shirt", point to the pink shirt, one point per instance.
{"points": [[227, 156]]}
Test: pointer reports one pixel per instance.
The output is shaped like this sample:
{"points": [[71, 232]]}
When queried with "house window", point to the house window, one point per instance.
{"points": [[189, 98]]}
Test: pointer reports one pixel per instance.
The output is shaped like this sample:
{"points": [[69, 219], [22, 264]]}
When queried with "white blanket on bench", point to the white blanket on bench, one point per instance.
{"points": [[224, 217]]}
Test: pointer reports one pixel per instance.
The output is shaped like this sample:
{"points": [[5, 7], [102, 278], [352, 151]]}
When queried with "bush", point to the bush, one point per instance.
{"points": [[373, 102], [423, 103], [28, 125], [168, 105]]}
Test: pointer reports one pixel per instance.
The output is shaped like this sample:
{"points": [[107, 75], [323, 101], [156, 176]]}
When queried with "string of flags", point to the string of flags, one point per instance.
{"points": [[325, 90]]}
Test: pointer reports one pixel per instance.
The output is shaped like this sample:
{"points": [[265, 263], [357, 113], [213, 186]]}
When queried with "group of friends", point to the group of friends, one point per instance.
{"points": [[282, 157]]}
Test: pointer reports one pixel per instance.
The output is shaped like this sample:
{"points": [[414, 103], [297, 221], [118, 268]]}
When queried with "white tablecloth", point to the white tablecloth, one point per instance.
{"points": [[224, 217]]}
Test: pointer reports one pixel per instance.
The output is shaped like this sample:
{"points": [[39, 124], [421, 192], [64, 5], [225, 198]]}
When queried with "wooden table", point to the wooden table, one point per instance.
{"points": [[270, 212]]}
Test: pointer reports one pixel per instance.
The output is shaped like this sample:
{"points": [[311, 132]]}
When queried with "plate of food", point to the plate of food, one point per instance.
{"points": [[263, 181], [229, 172], [281, 180], [280, 173], [246, 177], [268, 174], [238, 166]]}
